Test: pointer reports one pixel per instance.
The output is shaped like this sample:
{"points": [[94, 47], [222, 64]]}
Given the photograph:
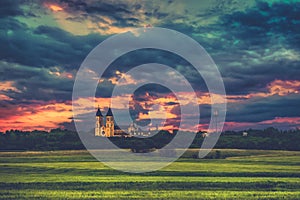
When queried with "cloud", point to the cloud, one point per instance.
{"points": [[283, 123], [43, 46], [255, 44], [105, 17], [284, 88], [38, 115], [8, 86], [10, 8], [261, 109], [264, 22], [37, 83]]}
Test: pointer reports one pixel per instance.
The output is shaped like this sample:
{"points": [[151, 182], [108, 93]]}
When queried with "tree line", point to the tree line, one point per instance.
{"points": [[57, 139]]}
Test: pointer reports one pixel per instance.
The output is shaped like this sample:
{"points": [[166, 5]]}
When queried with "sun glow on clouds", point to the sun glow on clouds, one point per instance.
{"points": [[60, 74], [49, 115], [161, 112], [61, 16], [121, 79], [288, 120], [283, 88], [4, 97], [54, 7], [8, 86], [85, 23], [84, 105], [277, 87], [283, 122], [36, 116]]}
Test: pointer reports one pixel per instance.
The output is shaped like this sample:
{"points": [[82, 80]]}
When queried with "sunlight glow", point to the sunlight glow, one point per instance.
{"points": [[55, 8]]}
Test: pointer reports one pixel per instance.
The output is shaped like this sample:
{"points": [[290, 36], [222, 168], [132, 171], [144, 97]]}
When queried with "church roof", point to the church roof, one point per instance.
{"points": [[116, 127], [109, 113], [99, 114]]}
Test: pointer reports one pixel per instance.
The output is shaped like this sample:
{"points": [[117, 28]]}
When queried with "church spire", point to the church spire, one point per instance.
{"points": [[109, 112], [99, 114]]}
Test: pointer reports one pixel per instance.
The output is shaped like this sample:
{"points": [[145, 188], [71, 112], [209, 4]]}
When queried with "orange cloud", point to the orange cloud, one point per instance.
{"points": [[4, 97], [283, 88], [54, 7], [277, 87], [287, 122], [84, 105], [121, 79], [8, 86], [59, 73], [161, 113], [37, 116], [48, 115], [279, 120]]}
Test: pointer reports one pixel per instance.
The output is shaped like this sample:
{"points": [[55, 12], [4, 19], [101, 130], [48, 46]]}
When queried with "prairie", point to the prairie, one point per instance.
{"points": [[238, 174]]}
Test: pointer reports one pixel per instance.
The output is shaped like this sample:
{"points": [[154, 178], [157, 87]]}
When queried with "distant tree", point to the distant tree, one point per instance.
{"points": [[57, 139], [217, 154]]}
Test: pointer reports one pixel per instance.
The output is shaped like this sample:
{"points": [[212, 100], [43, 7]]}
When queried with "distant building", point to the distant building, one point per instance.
{"points": [[205, 135], [133, 130], [245, 134], [106, 127]]}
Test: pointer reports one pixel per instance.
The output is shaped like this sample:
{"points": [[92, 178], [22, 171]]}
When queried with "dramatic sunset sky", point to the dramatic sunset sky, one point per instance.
{"points": [[255, 44]]}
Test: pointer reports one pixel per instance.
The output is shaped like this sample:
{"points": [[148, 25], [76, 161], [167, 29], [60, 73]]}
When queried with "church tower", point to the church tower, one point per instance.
{"points": [[110, 124], [99, 126]]}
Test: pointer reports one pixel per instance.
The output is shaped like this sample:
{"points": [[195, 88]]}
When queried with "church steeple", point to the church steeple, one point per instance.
{"points": [[99, 114], [99, 126], [110, 124], [109, 113]]}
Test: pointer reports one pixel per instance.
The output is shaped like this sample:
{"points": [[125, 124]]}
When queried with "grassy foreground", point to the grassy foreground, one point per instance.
{"points": [[242, 174]]}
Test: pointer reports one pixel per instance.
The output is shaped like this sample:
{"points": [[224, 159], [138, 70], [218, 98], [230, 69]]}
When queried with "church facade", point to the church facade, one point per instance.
{"points": [[105, 127]]}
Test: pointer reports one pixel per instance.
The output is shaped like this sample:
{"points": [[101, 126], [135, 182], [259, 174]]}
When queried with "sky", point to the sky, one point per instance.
{"points": [[255, 45]]}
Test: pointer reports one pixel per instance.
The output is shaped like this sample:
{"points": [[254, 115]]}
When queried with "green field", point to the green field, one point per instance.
{"points": [[249, 174]]}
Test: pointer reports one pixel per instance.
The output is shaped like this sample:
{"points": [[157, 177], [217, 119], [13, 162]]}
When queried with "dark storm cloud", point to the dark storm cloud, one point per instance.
{"points": [[249, 46], [257, 78], [31, 54], [104, 89], [104, 7], [135, 58], [43, 46], [151, 89], [42, 83], [122, 14], [10, 8], [91, 7], [256, 44], [261, 109], [256, 110], [35, 83], [260, 23], [143, 99]]}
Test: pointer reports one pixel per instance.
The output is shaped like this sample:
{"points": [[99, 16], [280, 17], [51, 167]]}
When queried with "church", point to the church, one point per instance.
{"points": [[106, 127]]}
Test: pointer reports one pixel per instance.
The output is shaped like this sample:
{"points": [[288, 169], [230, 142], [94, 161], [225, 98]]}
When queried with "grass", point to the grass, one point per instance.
{"points": [[240, 174]]}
